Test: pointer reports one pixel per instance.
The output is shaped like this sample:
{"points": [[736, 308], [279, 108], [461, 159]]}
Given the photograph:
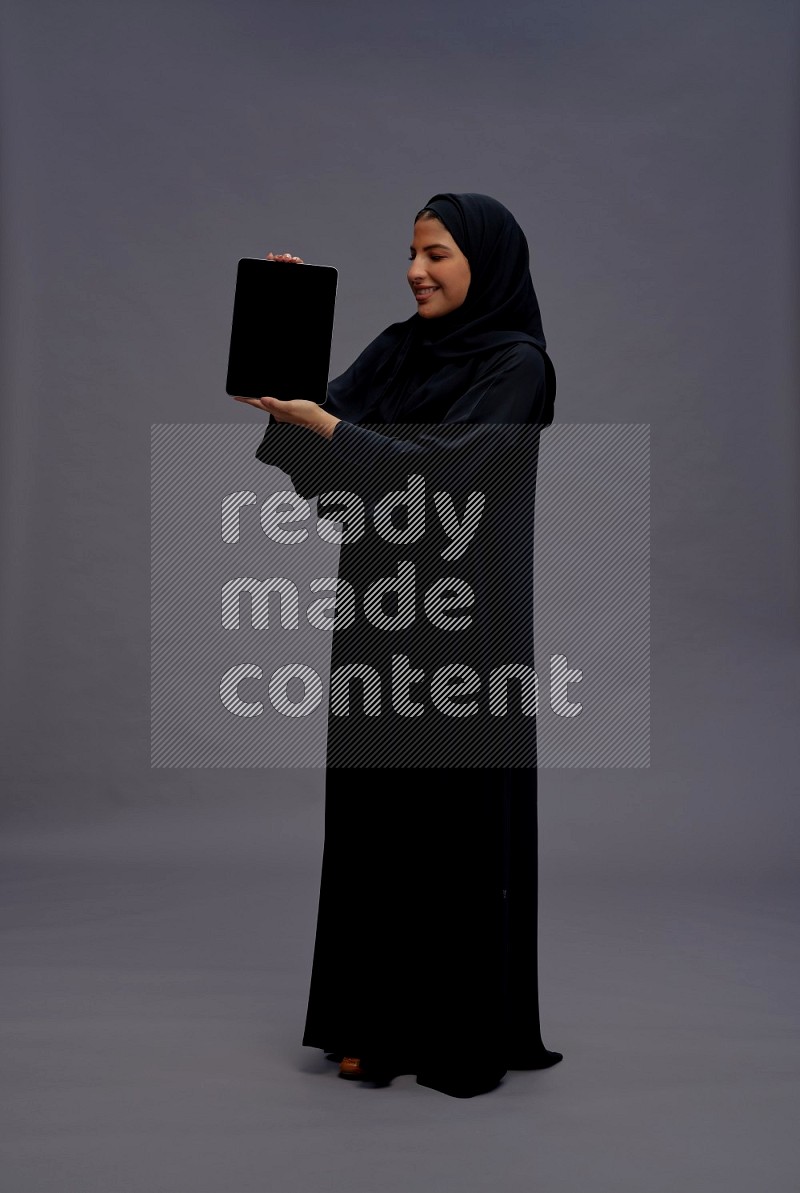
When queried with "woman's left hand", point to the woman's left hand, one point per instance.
{"points": [[296, 410]]}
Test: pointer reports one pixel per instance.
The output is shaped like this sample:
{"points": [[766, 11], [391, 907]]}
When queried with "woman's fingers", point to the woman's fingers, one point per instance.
{"points": [[250, 401], [284, 257]]}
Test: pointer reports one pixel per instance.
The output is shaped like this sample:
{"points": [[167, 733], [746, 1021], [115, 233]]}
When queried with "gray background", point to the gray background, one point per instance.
{"points": [[159, 923]]}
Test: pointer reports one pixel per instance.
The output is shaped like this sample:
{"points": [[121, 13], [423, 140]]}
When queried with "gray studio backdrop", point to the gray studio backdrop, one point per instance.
{"points": [[146, 148], [650, 153]]}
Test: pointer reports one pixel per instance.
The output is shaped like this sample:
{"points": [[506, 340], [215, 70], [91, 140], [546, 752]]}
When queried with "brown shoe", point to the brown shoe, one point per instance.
{"points": [[350, 1067]]}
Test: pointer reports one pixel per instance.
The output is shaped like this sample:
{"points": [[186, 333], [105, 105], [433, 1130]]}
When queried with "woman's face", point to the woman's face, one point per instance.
{"points": [[439, 273]]}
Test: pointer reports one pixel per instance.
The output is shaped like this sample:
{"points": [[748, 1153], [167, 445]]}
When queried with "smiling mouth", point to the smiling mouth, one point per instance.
{"points": [[425, 292]]}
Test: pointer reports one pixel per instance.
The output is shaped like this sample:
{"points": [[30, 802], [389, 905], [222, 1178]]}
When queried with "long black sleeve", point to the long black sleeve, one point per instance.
{"points": [[504, 403]]}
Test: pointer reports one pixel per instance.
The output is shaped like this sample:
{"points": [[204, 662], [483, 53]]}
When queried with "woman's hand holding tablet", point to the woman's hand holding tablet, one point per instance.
{"points": [[296, 410]]}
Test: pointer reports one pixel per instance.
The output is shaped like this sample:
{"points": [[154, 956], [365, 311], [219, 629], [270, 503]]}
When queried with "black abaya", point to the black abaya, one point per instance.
{"points": [[425, 958]]}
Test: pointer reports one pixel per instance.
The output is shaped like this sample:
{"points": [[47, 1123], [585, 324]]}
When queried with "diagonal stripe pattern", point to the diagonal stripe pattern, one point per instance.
{"points": [[248, 579]]}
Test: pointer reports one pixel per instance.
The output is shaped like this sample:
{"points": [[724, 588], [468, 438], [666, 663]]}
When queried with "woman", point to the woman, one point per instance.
{"points": [[425, 954]]}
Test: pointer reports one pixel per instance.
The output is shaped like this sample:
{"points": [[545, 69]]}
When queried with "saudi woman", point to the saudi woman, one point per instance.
{"points": [[425, 957]]}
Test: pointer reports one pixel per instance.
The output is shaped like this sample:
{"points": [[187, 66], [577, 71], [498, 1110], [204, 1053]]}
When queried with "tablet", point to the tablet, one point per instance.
{"points": [[282, 329]]}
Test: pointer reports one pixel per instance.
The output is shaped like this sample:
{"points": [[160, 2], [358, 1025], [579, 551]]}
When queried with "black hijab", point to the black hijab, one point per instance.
{"points": [[501, 305], [414, 367]]}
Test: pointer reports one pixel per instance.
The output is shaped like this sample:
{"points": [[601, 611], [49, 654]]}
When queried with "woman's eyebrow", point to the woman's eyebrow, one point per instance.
{"points": [[425, 247]]}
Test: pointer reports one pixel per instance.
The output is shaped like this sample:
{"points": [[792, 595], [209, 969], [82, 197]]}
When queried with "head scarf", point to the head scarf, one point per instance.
{"points": [[417, 357], [501, 305]]}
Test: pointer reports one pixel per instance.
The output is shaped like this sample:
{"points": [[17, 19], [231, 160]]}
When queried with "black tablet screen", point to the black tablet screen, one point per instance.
{"points": [[282, 329]]}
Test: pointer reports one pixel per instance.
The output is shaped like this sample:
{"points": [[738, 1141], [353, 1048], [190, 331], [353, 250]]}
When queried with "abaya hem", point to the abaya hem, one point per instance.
{"points": [[464, 1079]]}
